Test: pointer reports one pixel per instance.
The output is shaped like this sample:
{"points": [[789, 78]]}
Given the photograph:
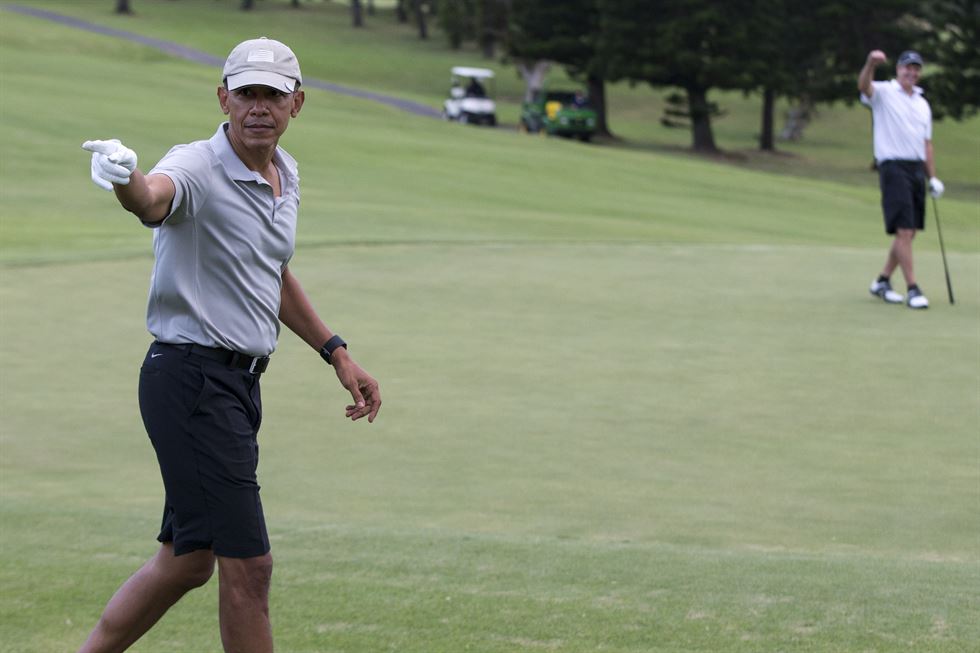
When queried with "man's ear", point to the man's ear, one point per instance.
{"points": [[223, 99], [299, 97]]}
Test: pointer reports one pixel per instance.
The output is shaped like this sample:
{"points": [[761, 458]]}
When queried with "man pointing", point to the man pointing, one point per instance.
{"points": [[224, 213]]}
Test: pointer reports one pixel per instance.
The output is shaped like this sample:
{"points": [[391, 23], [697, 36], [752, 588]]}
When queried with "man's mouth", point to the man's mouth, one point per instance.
{"points": [[259, 126]]}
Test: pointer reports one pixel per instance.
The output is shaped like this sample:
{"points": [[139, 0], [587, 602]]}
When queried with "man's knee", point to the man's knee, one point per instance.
{"points": [[246, 579], [190, 570], [199, 574], [905, 234]]}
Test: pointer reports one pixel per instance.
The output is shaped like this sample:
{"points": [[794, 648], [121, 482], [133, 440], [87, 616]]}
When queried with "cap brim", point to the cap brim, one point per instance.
{"points": [[261, 78]]}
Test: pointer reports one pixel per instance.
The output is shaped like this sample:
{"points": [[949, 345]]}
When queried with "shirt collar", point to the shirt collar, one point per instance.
{"points": [[916, 90], [238, 171], [226, 155]]}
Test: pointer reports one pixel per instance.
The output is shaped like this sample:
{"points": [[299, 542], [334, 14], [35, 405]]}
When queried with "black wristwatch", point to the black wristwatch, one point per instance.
{"points": [[330, 346]]}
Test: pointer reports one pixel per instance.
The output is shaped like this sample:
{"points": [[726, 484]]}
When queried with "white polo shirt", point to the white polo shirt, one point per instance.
{"points": [[221, 251], [902, 122]]}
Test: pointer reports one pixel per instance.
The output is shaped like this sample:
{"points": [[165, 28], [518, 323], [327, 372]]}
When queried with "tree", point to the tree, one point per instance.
{"points": [[491, 18], [566, 33], [356, 13], [455, 17], [533, 72], [247, 5], [122, 7], [400, 12], [695, 45], [812, 51], [952, 45], [420, 20]]}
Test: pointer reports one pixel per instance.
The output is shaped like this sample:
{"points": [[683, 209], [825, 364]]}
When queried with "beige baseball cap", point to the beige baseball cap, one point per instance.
{"points": [[262, 62]]}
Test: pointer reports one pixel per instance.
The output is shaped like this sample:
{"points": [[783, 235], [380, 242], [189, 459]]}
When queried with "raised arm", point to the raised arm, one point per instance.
{"points": [[867, 74], [114, 168], [296, 312]]}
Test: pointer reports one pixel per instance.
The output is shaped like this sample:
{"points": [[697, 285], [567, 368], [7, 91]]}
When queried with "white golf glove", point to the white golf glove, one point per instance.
{"points": [[936, 187], [112, 162]]}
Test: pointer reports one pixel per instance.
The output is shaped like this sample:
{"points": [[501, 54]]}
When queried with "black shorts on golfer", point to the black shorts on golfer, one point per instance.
{"points": [[903, 194], [203, 418]]}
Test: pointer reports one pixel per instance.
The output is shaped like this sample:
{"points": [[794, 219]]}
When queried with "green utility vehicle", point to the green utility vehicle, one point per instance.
{"points": [[559, 113]]}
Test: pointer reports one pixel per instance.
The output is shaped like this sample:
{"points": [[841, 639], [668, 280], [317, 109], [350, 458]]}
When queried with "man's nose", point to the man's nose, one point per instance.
{"points": [[259, 105]]}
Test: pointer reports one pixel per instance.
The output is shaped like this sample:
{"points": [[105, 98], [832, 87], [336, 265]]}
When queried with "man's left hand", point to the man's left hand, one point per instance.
{"points": [[936, 187], [363, 388]]}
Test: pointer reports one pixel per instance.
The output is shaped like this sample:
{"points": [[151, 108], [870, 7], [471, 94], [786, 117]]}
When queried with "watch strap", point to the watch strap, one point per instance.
{"points": [[330, 346]]}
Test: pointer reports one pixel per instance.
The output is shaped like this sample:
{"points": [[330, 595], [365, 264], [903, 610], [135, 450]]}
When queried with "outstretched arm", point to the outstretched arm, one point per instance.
{"points": [[296, 312]]}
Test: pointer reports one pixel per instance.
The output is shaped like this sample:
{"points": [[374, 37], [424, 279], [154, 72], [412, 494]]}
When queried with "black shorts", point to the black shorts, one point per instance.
{"points": [[203, 419], [903, 194]]}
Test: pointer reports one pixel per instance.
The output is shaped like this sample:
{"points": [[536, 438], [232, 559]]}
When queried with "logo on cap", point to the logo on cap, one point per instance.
{"points": [[261, 55]]}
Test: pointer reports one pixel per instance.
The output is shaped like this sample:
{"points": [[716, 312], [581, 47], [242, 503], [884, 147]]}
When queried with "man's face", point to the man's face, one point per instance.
{"points": [[908, 75], [258, 115]]}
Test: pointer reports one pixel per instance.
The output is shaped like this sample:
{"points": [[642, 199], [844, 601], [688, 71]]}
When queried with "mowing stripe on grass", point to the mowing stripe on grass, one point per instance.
{"points": [[197, 56]]}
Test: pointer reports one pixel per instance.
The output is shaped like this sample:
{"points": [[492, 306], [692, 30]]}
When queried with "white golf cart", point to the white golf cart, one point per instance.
{"points": [[470, 101]]}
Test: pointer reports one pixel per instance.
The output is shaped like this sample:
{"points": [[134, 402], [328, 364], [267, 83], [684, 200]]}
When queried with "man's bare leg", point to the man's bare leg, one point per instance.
{"points": [[243, 603], [146, 596], [900, 255]]}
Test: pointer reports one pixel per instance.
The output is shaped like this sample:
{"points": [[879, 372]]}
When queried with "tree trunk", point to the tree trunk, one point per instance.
{"points": [[247, 5], [122, 7], [597, 96], [797, 119], [487, 46], [766, 141], [420, 18], [370, 7], [485, 34], [703, 138], [400, 12], [295, 4], [356, 13], [533, 72]]}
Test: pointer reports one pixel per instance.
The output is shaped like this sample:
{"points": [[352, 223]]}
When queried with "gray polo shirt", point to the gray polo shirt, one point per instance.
{"points": [[221, 251]]}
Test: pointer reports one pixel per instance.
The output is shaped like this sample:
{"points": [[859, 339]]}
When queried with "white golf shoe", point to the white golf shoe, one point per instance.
{"points": [[917, 299], [884, 290]]}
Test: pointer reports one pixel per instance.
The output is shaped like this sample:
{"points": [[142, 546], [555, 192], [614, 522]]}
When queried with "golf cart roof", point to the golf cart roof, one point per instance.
{"points": [[479, 73]]}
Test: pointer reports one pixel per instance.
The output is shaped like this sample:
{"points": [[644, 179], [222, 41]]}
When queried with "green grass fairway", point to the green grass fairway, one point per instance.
{"points": [[633, 402]]}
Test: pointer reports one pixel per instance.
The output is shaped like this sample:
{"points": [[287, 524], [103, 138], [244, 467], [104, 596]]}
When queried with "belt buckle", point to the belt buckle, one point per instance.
{"points": [[258, 365]]}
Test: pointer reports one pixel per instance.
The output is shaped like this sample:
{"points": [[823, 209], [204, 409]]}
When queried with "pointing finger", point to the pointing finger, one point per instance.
{"points": [[102, 147]]}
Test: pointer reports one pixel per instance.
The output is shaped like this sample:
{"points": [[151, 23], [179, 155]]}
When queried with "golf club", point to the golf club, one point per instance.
{"points": [[942, 248]]}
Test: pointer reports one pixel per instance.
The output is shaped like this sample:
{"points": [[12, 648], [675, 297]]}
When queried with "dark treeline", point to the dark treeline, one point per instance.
{"points": [[807, 52]]}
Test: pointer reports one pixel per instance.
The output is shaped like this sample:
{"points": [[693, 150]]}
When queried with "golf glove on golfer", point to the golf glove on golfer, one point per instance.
{"points": [[112, 162], [936, 187]]}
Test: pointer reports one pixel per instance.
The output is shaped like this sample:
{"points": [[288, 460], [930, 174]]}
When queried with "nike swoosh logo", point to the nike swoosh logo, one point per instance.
{"points": [[155, 355]]}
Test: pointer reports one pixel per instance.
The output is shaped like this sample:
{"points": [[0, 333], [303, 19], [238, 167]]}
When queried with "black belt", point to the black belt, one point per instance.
{"points": [[905, 163], [254, 364]]}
